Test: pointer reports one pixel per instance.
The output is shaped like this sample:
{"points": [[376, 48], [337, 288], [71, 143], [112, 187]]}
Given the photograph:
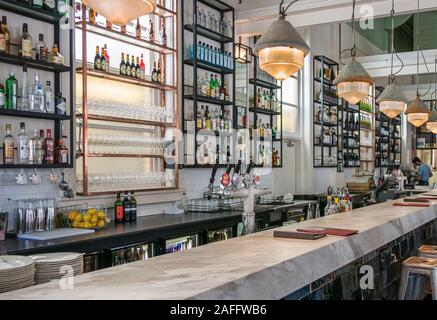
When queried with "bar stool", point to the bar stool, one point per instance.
{"points": [[418, 265], [427, 252]]}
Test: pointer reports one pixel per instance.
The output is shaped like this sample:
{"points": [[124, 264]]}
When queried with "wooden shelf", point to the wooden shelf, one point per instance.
{"points": [[117, 155], [35, 166], [126, 79], [125, 120]]}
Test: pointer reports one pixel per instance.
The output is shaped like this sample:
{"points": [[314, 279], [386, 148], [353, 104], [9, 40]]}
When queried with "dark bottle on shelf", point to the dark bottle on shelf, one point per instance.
{"points": [[126, 208], [119, 210], [61, 153], [122, 65], [133, 68], [103, 60], [11, 92], [154, 73], [128, 66], [97, 59], [138, 29], [133, 208], [49, 148], [4, 27], [138, 69]]}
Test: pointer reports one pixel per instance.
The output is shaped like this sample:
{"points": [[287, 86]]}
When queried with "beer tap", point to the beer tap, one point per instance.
{"points": [[210, 191]]}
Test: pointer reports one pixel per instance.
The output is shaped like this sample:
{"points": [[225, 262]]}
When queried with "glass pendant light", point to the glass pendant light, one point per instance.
{"points": [[432, 122], [281, 49], [121, 12], [353, 81], [392, 100], [417, 112]]}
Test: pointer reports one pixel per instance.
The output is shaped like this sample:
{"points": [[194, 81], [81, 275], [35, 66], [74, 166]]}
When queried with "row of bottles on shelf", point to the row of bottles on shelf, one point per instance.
{"points": [[328, 138], [264, 130], [212, 55], [26, 47], [351, 141], [328, 95], [126, 209], [329, 115], [351, 122], [36, 150], [267, 156], [59, 7], [267, 100], [212, 87], [327, 73], [241, 117], [214, 22], [215, 120], [134, 67], [338, 201], [35, 97], [210, 153], [133, 29], [351, 159]]}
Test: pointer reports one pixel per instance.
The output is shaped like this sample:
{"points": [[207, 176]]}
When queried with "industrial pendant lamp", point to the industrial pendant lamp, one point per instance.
{"points": [[281, 49], [432, 122], [121, 12], [417, 112], [392, 100], [353, 81]]}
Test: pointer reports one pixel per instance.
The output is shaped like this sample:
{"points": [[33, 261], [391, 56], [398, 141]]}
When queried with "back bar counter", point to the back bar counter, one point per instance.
{"points": [[260, 266]]}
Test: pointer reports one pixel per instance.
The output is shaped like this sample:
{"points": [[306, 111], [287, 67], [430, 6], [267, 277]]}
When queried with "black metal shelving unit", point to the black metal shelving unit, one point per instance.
{"points": [[224, 42], [349, 110], [55, 21], [321, 101], [256, 111]]}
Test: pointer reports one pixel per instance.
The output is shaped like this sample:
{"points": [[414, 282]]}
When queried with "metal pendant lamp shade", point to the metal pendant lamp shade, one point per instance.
{"points": [[121, 12], [281, 50], [417, 112], [353, 82], [432, 122], [392, 101]]}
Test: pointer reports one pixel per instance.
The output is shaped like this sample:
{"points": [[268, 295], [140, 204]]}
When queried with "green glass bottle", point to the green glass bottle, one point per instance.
{"points": [[133, 208], [11, 92], [119, 210]]}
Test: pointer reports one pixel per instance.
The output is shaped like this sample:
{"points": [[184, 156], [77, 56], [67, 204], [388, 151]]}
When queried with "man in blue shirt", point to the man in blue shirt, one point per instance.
{"points": [[424, 172]]}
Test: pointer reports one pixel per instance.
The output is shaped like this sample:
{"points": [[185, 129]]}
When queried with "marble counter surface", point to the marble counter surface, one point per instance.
{"points": [[258, 266]]}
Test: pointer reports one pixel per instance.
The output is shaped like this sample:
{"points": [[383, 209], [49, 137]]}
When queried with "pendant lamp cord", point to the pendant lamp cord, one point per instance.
{"points": [[418, 46], [392, 13], [352, 50], [283, 10]]}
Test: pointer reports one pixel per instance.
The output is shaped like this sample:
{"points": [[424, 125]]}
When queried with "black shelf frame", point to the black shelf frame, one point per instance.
{"points": [[258, 83], [319, 81], [197, 31], [346, 111], [55, 21]]}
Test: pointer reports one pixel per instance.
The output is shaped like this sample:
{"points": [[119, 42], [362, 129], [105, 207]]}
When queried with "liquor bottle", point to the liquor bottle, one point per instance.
{"points": [[217, 87], [123, 29], [8, 147], [23, 100], [118, 208], [109, 24], [158, 74], [97, 59], [49, 148], [199, 124], [108, 64], [128, 66], [37, 4], [133, 208], [92, 16], [39, 152], [2, 97], [138, 29], [41, 49], [151, 32], [142, 68], [50, 5], [37, 104], [154, 73], [138, 69], [133, 68], [23, 145], [102, 60], [211, 86], [62, 7], [208, 119], [2, 39], [32, 147], [122, 65], [11, 92], [61, 153], [126, 208], [26, 43], [163, 35], [49, 98], [4, 27]]}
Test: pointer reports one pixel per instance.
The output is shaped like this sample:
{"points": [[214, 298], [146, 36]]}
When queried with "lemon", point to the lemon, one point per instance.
{"points": [[81, 225], [72, 215], [101, 224], [79, 218], [91, 211], [93, 224], [94, 219], [75, 224], [87, 225], [101, 215], [87, 217]]}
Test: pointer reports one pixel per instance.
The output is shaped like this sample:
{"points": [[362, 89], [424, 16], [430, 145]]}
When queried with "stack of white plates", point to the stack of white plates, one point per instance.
{"points": [[52, 266], [16, 272]]}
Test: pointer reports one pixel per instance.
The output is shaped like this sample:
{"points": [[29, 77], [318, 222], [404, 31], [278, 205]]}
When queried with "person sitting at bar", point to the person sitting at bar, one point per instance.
{"points": [[424, 172]]}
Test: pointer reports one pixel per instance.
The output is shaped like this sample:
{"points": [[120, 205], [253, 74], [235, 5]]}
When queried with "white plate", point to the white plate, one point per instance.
{"points": [[56, 258], [14, 262]]}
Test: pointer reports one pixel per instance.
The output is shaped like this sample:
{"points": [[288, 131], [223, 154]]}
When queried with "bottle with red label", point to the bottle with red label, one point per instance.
{"points": [[49, 148], [119, 210]]}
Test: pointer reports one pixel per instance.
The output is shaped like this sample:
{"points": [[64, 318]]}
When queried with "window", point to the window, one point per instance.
{"points": [[290, 106]]}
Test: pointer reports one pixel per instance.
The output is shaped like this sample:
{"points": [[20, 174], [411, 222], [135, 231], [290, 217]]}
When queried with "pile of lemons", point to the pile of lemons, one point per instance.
{"points": [[90, 219]]}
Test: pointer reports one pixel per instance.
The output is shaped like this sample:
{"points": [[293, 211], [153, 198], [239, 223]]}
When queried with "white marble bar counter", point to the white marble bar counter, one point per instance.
{"points": [[258, 266]]}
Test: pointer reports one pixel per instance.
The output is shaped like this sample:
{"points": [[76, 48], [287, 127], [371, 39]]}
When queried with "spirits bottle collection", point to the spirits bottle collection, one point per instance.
{"points": [[26, 46], [39, 149], [126, 209], [210, 119], [351, 159], [213, 22], [267, 100], [59, 7], [328, 137], [267, 156], [338, 201], [211, 153], [264, 130], [328, 115], [212, 55], [212, 87], [34, 97]]}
